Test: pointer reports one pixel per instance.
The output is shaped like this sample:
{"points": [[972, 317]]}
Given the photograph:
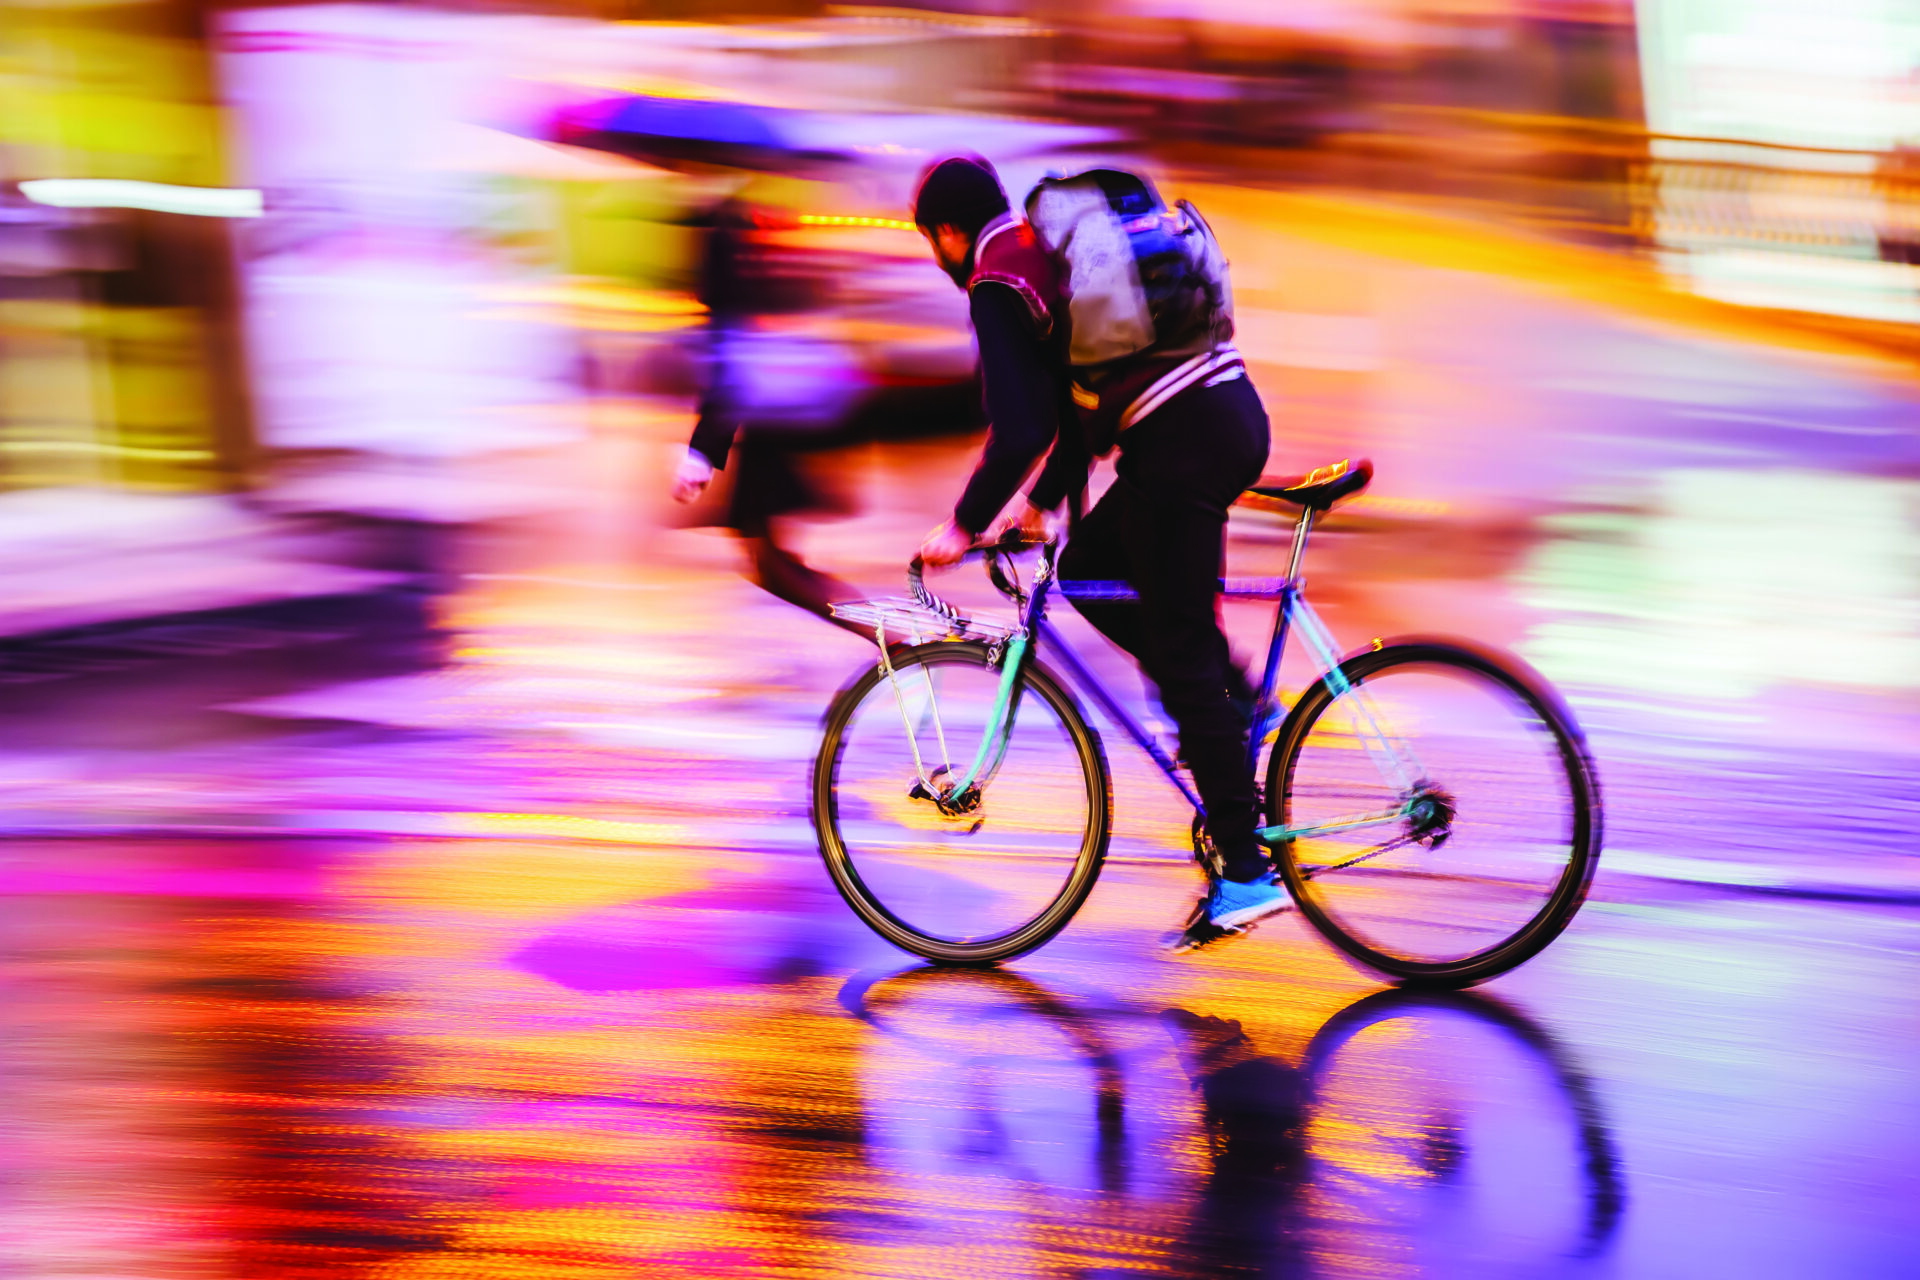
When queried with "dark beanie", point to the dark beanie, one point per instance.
{"points": [[961, 191]]}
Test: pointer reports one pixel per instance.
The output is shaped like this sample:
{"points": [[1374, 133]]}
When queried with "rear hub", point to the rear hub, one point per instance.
{"points": [[1430, 816]]}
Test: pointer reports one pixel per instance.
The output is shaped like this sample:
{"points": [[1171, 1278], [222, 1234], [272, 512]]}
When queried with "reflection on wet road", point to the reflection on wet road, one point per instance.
{"points": [[424, 1059]]}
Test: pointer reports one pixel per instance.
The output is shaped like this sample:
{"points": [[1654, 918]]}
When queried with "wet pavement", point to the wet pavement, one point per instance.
{"points": [[517, 1057], [487, 937]]}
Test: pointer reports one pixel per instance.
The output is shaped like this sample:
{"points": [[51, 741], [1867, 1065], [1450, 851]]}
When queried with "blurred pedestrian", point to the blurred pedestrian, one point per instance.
{"points": [[739, 423]]}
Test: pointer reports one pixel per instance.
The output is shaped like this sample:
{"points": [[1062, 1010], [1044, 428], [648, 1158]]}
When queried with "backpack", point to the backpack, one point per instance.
{"points": [[1138, 275]]}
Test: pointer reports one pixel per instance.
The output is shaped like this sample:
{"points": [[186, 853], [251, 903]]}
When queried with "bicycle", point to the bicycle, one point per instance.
{"points": [[962, 842]]}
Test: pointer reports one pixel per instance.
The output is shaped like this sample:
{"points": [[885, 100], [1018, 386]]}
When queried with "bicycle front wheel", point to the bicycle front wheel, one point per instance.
{"points": [[993, 875], [1449, 814]]}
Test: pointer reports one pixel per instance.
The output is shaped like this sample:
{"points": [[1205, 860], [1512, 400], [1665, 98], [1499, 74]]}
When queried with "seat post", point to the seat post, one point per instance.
{"points": [[1300, 532]]}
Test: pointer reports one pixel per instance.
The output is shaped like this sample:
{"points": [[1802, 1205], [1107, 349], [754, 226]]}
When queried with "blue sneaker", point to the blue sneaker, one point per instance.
{"points": [[1234, 905]]}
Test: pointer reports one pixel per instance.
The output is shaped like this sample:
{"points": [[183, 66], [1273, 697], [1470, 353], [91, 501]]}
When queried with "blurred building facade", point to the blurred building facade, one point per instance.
{"points": [[432, 284], [127, 433], [120, 363]]}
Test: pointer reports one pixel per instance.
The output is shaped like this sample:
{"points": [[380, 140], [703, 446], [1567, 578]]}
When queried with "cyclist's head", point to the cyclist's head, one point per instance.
{"points": [[957, 196]]}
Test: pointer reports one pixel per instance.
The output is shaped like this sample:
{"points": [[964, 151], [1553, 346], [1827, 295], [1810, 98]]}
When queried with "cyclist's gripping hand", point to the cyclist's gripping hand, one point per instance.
{"points": [[692, 477], [945, 544], [1032, 524]]}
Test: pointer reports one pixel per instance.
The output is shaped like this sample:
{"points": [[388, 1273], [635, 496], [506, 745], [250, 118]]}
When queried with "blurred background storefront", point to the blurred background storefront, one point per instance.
{"points": [[442, 287], [125, 389], [121, 356]]}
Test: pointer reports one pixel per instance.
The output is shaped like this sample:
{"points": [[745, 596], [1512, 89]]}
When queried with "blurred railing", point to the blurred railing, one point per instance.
{"points": [[1701, 189], [1820, 229], [1803, 199]]}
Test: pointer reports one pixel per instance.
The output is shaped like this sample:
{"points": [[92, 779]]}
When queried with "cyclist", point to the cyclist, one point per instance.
{"points": [[1192, 437]]}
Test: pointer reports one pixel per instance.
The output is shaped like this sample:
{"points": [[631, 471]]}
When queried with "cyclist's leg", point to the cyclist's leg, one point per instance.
{"points": [[1187, 464], [1189, 668], [1128, 537], [1170, 552], [1178, 559], [1097, 553]]}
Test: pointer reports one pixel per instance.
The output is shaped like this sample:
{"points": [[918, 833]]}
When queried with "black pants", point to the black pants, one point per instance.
{"points": [[1162, 529]]}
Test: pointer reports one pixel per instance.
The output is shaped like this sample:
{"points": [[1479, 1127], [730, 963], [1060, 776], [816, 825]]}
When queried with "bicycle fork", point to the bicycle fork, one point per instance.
{"points": [[961, 795]]}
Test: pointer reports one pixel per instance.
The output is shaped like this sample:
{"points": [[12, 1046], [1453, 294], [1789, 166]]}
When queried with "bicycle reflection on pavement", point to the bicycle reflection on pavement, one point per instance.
{"points": [[1418, 1132]]}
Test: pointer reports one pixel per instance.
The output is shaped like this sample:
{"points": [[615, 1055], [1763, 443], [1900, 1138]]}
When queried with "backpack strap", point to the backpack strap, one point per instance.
{"points": [[1007, 252]]}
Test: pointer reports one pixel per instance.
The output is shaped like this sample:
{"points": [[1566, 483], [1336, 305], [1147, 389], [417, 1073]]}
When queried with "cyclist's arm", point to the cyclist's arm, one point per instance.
{"points": [[713, 439], [1020, 403], [1065, 471]]}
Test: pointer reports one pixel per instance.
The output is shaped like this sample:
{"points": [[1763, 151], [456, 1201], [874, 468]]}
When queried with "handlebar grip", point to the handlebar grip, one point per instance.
{"points": [[916, 582]]}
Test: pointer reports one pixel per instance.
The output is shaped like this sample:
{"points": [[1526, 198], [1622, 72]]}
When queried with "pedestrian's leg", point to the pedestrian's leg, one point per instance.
{"points": [[790, 578], [767, 486]]}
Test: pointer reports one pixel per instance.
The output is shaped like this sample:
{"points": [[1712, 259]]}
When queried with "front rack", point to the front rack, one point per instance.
{"points": [[896, 618]]}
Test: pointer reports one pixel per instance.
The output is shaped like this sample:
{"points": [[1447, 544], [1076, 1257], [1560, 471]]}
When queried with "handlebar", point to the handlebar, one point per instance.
{"points": [[1007, 543]]}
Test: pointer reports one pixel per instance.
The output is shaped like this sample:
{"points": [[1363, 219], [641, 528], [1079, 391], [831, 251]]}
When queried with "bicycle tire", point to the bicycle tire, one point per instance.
{"points": [[1584, 838], [1078, 883]]}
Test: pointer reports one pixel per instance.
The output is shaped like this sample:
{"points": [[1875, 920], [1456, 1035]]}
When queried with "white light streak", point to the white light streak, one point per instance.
{"points": [[119, 193]]}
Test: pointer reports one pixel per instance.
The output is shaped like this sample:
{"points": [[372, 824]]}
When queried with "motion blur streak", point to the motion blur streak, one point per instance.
{"points": [[409, 871]]}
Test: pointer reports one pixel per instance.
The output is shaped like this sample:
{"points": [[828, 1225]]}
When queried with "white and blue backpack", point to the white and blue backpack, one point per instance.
{"points": [[1140, 277]]}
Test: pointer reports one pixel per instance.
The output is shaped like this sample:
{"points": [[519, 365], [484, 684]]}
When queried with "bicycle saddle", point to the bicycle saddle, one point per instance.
{"points": [[1321, 487]]}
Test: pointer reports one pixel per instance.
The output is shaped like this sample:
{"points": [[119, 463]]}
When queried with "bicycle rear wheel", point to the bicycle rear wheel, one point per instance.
{"points": [[1464, 848], [983, 880]]}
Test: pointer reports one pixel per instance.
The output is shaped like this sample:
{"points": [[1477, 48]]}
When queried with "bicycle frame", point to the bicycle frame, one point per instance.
{"points": [[1395, 760]]}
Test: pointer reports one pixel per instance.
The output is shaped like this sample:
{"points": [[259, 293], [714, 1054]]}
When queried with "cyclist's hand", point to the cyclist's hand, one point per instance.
{"points": [[692, 478], [945, 544], [1032, 524]]}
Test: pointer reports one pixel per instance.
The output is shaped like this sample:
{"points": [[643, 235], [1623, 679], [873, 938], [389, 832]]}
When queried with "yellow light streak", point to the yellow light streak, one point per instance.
{"points": [[112, 450], [600, 296], [844, 220]]}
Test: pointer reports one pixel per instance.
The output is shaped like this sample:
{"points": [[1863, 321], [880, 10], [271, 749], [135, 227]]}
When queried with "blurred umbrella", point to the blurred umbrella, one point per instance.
{"points": [[697, 130], [472, 148]]}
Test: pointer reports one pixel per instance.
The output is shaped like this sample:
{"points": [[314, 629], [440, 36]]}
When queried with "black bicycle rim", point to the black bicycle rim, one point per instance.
{"points": [[1077, 884]]}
